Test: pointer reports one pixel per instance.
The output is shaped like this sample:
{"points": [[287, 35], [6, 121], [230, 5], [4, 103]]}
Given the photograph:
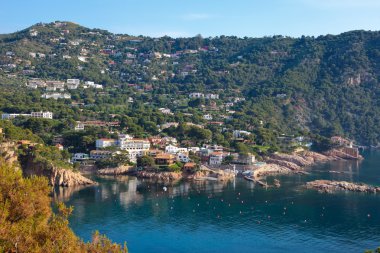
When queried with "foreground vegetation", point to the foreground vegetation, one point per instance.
{"points": [[28, 223]]}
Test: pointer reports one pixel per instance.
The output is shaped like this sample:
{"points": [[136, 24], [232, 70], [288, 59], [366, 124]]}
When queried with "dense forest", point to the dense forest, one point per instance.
{"points": [[326, 85]]}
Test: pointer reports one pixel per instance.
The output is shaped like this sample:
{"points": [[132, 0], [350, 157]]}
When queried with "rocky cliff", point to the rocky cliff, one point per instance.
{"points": [[30, 167]]}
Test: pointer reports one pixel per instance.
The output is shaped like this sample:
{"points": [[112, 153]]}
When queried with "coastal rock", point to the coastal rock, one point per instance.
{"points": [[30, 167], [271, 169], [338, 154], [63, 177], [219, 175], [283, 163], [317, 157], [122, 170], [293, 163], [159, 176], [327, 186], [293, 158]]}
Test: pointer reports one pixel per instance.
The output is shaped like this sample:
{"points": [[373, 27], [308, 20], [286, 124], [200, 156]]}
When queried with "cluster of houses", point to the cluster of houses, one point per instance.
{"points": [[56, 85], [164, 150], [55, 89]]}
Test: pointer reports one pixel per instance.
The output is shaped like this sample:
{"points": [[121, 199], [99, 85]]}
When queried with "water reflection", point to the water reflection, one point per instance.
{"points": [[192, 216]]}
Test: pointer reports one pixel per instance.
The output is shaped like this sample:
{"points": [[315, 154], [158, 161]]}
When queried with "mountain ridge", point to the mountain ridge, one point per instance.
{"points": [[326, 84]]}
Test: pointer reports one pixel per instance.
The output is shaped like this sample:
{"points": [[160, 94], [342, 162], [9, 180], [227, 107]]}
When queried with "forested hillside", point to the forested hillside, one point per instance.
{"points": [[327, 85]]}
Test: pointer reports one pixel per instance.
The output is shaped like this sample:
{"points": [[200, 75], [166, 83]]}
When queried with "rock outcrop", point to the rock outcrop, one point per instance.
{"points": [[291, 163], [271, 169], [122, 170], [64, 177], [160, 176], [205, 173], [30, 167], [327, 186]]}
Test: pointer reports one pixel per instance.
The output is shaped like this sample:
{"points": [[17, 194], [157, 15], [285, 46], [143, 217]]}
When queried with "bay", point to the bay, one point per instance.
{"points": [[235, 216]]}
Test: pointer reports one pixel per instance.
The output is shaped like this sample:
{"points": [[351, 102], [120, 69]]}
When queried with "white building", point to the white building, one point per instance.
{"points": [[13, 115], [165, 111], [105, 142], [32, 86], [56, 95], [135, 147], [79, 126], [44, 115], [196, 95], [171, 149], [207, 117], [72, 86], [73, 81], [183, 158], [78, 157], [240, 134], [212, 96], [216, 158], [194, 149]]}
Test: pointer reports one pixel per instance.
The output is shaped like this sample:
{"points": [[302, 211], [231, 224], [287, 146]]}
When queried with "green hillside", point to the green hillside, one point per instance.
{"points": [[327, 85]]}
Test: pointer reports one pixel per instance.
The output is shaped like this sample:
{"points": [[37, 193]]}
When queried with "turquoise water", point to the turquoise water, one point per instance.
{"points": [[235, 216]]}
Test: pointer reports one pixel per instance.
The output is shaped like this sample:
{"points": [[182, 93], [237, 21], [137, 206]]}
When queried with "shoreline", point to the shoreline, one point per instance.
{"points": [[329, 186], [295, 163], [276, 164]]}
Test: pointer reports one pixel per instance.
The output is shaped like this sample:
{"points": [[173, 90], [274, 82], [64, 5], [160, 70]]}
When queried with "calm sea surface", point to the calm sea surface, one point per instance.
{"points": [[236, 216]]}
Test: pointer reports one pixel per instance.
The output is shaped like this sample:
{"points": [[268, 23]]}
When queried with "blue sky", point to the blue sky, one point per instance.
{"points": [[184, 18]]}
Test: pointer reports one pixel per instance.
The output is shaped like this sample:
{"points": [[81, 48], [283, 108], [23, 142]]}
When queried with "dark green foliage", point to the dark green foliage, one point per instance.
{"points": [[326, 85], [145, 161], [116, 160]]}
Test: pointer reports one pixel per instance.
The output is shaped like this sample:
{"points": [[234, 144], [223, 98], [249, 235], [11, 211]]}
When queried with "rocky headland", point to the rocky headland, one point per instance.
{"points": [[296, 162], [203, 174], [56, 176], [327, 186]]}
